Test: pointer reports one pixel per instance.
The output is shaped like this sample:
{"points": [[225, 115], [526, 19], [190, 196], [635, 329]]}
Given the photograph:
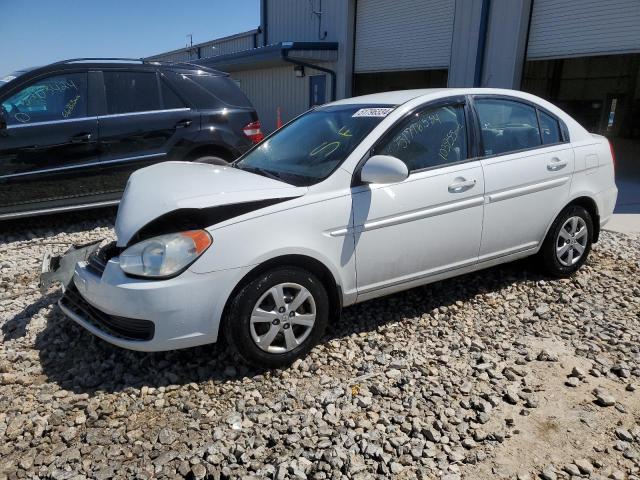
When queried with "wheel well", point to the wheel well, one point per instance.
{"points": [[590, 206], [210, 150], [307, 263]]}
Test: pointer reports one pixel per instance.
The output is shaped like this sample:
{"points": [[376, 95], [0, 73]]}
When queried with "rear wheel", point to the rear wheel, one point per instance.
{"points": [[568, 242], [277, 317]]}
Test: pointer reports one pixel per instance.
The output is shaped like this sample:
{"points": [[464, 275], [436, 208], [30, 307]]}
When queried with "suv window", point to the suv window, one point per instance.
{"points": [[60, 97], [131, 92], [431, 137], [550, 129], [507, 126], [169, 98]]}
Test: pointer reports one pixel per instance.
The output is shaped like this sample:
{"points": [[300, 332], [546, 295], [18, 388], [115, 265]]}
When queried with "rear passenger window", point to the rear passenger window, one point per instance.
{"points": [[507, 126], [169, 98], [550, 129], [131, 92], [429, 138]]}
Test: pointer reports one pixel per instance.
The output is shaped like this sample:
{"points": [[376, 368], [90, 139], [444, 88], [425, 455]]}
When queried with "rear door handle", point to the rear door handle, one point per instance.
{"points": [[183, 124], [461, 185], [81, 138], [556, 164]]}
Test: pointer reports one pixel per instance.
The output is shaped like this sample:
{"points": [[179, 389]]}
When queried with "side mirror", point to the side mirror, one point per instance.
{"points": [[3, 119], [383, 169]]}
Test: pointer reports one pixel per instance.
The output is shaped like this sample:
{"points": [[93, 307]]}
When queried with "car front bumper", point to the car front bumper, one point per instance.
{"points": [[148, 315]]}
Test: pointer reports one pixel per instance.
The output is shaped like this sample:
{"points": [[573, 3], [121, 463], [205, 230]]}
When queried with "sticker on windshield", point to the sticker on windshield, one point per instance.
{"points": [[373, 112]]}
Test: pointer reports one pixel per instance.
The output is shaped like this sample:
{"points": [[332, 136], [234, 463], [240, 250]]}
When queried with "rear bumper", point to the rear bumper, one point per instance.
{"points": [[606, 201]]}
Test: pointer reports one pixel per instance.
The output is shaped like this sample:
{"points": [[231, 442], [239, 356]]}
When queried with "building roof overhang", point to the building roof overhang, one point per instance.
{"points": [[273, 56]]}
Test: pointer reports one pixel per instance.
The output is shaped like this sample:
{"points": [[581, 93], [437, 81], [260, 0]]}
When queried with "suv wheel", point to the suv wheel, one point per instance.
{"points": [[278, 317], [211, 160], [568, 242]]}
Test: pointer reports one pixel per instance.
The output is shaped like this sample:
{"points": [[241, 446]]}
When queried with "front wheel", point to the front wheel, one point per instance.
{"points": [[568, 242], [277, 317]]}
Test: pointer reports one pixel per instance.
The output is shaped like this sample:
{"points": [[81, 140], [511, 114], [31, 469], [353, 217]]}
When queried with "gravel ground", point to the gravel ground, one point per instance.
{"points": [[499, 374]]}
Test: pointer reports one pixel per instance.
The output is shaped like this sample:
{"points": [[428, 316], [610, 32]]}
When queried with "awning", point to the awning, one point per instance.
{"points": [[272, 56]]}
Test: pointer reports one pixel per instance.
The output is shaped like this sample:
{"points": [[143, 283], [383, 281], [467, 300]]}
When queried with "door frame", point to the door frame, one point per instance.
{"points": [[471, 124]]}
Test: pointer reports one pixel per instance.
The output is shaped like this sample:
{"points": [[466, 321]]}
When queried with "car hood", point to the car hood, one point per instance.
{"points": [[174, 186]]}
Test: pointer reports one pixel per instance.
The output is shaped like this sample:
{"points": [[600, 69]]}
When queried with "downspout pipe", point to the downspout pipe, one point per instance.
{"points": [[482, 41], [332, 73]]}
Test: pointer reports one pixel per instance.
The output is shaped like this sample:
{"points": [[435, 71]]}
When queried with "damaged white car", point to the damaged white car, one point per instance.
{"points": [[350, 201]]}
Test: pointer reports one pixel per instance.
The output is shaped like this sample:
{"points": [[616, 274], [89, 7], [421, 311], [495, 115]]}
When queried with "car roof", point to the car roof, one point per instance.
{"points": [[397, 97], [400, 97]]}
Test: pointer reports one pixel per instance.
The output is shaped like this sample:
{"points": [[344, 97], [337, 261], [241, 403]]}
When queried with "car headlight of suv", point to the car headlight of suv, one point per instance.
{"points": [[165, 255]]}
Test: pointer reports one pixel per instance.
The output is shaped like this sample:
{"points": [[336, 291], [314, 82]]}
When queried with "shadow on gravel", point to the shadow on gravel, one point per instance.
{"points": [[16, 327], [80, 362]]}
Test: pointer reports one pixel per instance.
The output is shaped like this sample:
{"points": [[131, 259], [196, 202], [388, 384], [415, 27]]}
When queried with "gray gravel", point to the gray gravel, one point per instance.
{"points": [[499, 374]]}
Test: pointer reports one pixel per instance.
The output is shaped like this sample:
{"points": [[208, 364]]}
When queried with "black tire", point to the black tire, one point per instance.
{"points": [[548, 253], [212, 160], [237, 325]]}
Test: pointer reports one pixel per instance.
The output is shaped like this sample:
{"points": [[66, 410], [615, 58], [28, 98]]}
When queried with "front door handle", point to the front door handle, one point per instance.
{"points": [[81, 138], [556, 164], [460, 185], [183, 124]]}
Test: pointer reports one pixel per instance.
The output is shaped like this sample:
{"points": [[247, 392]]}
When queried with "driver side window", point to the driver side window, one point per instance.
{"points": [[428, 138], [60, 97]]}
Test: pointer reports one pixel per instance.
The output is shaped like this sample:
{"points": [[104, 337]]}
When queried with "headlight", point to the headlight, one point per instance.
{"points": [[165, 255]]}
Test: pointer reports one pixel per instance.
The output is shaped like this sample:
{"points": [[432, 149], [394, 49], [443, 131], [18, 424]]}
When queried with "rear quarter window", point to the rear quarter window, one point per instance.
{"points": [[209, 91]]}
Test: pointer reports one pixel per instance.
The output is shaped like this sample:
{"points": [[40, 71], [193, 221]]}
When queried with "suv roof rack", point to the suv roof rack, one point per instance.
{"points": [[98, 59], [118, 59]]}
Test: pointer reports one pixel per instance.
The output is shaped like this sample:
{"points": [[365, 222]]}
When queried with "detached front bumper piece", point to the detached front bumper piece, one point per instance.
{"points": [[60, 268]]}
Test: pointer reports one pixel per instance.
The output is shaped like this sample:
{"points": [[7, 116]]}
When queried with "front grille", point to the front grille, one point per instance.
{"points": [[97, 261], [120, 327]]}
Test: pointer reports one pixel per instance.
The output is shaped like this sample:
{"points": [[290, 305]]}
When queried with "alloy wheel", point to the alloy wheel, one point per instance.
{"points": [[571, 242], [283, 318]]}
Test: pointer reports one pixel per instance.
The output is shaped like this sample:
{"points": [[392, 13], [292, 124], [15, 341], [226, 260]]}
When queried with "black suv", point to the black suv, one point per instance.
{"points": [[72, 132]]}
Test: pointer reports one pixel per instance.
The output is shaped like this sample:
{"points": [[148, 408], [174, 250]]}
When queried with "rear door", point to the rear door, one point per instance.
{"points": [[48, 150], [143, 121], [528, 164]]}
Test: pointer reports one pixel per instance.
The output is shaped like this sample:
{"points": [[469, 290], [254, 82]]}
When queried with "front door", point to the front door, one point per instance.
{"points": [[432, 221], [528, 166], [140, 127], [48, 150]]}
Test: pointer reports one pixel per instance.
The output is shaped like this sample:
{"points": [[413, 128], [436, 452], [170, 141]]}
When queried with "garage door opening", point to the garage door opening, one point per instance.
{"points": [[603, 94], [365, 83]]}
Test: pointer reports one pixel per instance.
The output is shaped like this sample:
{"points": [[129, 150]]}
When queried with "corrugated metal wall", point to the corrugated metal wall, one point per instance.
{"points": [[221, 46], [404, 34], [294, 20], [570, 28], [272, 87]]}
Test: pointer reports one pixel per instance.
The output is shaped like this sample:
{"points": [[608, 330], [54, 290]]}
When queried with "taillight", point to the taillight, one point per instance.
{"points": [[253, 131], [613, 154]]}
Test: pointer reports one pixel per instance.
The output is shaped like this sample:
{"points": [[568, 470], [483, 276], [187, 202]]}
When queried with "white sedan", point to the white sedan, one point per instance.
{"points": [[350, 201]]}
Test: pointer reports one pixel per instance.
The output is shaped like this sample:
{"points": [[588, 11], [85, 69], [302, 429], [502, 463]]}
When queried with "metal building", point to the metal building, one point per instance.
{"points": [[583, 55]]}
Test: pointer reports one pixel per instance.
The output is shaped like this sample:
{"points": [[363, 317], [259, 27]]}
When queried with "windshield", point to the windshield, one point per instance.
{"points": [[310, 148]]}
